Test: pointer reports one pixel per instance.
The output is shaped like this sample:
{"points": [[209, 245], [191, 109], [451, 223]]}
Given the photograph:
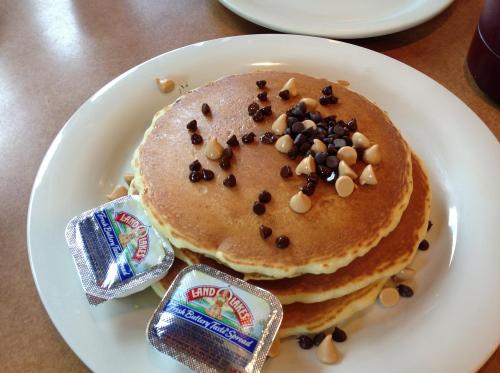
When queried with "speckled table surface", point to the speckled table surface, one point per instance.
{"points": [[54, 55]]}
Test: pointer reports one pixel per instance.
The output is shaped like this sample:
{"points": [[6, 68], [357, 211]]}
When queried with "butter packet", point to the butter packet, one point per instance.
{"points": [[214, 322], [116, 250]]}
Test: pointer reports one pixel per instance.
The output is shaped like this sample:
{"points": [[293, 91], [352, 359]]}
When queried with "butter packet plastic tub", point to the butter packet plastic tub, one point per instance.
{"points": [[116, 251], [214, 322]]}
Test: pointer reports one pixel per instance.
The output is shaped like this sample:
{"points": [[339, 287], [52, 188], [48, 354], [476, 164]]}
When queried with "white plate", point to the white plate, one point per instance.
{"points": [[341, 19], [452, 323]]}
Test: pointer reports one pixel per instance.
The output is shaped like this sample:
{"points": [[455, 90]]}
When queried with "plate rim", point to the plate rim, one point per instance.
{"points": [[70, 122]]}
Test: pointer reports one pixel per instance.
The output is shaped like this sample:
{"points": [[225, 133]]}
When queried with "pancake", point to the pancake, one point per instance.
{"points": [[218, 222], [301, 318]]}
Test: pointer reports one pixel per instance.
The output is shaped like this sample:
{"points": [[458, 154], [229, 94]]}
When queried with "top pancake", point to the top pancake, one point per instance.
{"points": [[216, 221]]}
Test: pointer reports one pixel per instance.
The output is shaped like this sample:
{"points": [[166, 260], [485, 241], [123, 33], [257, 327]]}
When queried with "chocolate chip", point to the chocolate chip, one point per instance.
{"points": [[285, 94], [293, 153], [227, 153], [267, 110], [305, 342], [205, 109], [332, 178], [298, 127], [258, 116], [282, 242], [196, 139], [259, 208], [253, 108], [429, 225], [321, 157], [318, 338], [338, 335], [328, 100], [261, 83], [311, 153], [332, 161], [331, 149], [300, 139], [286, 172], [348, 140], [339, 143], [310, 131], [207, 174], [265, 196], [308, 189], [229, 181], [262, 96], [313, 178], [233, 141], [315, 116], [304, 148], [339, 130], [352, 125], [225, 163], [405, 291], [291, 120], [195, 176], [248, 138], [324, 171], [302, 107], [327, 91], [268, 138], [192, 126], [424, 245], [265, 232], [195, 165]]}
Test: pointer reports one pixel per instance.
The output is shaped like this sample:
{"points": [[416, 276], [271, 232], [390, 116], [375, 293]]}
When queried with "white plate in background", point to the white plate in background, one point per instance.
{"points": [[452, 324], [340, 19]]}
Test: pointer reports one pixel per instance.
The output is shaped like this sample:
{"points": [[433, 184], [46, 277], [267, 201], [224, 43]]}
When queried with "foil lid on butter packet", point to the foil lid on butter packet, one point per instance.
{"points": [[116, 250], [214, 322]]}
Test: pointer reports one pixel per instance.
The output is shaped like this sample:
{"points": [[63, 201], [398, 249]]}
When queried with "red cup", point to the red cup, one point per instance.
{"points": [[484, 53]]}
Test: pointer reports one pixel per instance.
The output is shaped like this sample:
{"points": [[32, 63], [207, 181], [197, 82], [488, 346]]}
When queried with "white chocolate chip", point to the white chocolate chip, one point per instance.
{"points": [[347, 154], [389, 297], [291, 86], [300, 203], [165, 85], [368, 176], [311, 103], [344, 186], [275, 348], [404, 275], [360, 141], [308, 124], [306, 166], [284, 144], [128, 178], [213, 150], [327, 353], [318, 146], [372, 155], [279, 126], [345, 170], [118, 191]]}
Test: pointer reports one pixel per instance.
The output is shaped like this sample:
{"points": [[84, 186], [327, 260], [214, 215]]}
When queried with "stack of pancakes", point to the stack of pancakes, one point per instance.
{"points": [[342, 251]]}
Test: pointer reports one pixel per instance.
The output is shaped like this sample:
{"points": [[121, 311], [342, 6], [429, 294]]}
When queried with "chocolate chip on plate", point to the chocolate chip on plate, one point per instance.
{"points": [[259, 208], [248, 138], [253, 108], [321, 157], [327, 91], [328, 100], [282, 242], [290, 121], [205, 109], [227, 153], [423, 245], [309, 189], [267, 110], [207, 174], [286, 172], [195, 176], [293, 153], [262, 96], [305, 342], [318, 338], [265, 232], [233, 141], [298, 127], [313, 178], [429, 225], [268, 138], [229, 181], [324, 171], [338, 335], [405, 291], [192, 126], [339, 143], [352, 125], [285, 94], [265, 196], [225, 163], [258, 116], [196, 139], [195, 165], [339, 130], [332, 161], [261, 83]]}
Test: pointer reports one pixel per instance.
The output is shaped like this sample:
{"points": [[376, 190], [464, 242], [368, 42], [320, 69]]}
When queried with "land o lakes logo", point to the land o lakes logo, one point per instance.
{"points": [[222, 297], [136, 231]]}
